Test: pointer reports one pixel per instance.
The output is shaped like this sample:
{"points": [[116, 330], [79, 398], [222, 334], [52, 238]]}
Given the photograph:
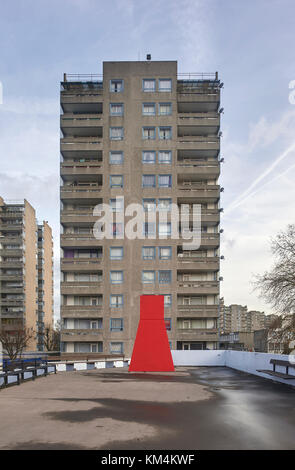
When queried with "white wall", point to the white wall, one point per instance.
{"points": [[198, 358]]}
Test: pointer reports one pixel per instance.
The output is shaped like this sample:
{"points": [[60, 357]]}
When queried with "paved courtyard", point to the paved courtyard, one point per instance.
{"points": [[192, 408]]}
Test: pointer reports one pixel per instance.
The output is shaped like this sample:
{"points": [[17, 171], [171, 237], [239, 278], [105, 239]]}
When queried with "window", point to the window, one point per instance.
{"points": [[167, 300], [116, 109], [148, 252], [165, 181], [164, 205], [149, 84], [165, 277], [116, 181], [148, 157], [116, 86], [165, 133], [148, 277], [165, 109], [117, 228], [88, 347], [116, 252], [148, 181], [148, 109], [117, 204], [116, 158], [116, 277], [165, 84], [149, 133], [116, 300], [116, 133], [165, 252], [116, 324], [165, 156], [149, 205], [167, 322], [164, 229], [116, 348], [149, 229]]}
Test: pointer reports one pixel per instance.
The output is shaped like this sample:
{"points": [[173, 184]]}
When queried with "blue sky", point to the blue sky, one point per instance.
{"points": [[251, 44]]}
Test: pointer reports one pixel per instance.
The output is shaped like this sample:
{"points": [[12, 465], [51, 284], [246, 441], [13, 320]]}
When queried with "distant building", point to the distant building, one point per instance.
{"points": [[26, 271], [238, 341]]}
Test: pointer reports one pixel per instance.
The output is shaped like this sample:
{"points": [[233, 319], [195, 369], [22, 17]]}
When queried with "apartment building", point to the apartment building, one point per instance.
{"points": [[145, 134], [25, 271]]}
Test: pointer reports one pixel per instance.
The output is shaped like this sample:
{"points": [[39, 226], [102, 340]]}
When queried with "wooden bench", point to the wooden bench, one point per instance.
{"points": [[281, 375]]}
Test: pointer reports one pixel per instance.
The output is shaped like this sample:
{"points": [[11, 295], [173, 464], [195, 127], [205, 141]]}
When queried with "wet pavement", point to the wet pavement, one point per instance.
{"points": [[193, 408]]}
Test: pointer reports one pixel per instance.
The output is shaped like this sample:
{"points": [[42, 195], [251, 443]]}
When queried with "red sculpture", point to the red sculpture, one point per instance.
{"points": [[151, 351]]}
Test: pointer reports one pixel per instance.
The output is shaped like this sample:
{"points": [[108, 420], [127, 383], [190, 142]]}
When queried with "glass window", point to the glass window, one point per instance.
{"points": [[164, 229], [148, 109], [148, 277], [116, 348], [148, 252], [165, 84], [116, 158], [149, 84], [165, 156], [117, 204], [117, 228], [164, 205], [116, 133], [167, 323], [165, 133], [148, 156], [116, 86], [165, 109], [116, 109], [165, 181], [116, 300], [148, 181], [116, 181], [116, 324], [165, 277], [165, 252], [149, 133], [149, 205], [116, 252], [149, 228], [167, 300], [116, 277]]}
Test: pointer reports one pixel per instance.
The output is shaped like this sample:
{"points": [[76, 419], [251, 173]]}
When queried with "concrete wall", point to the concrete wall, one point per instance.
{"points": [[248, 362]]}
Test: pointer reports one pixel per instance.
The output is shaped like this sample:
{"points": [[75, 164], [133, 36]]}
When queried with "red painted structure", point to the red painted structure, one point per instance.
{"points": [[151, 351]]}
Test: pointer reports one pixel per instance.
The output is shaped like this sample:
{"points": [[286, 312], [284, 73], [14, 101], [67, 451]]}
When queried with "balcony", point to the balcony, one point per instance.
{"points": [[77, 218], [73, 193], [10, 277], [82, 335], [78, 240], [76, 288], [11, 252], [81, 147], [11, 290], [86, 125], [198, 190], [193, 124], [11, 227], [188, 262], [12, 264], [75, 264], [209, 217], [209, 145], [197, 334], [90, 168], [198, 96], [81, 311], [207, 170], [198, 287], [11, 302], [82, 102]]}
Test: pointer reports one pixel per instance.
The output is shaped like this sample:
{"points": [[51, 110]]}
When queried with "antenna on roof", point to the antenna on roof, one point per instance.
{"points": [[148, 57]]}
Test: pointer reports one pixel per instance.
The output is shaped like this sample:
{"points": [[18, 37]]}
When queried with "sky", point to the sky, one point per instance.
{"points": [[250, 44]]}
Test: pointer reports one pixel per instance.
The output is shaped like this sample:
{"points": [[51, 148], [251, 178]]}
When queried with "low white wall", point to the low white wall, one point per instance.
{"points": [[198, 358], [251, 362]]}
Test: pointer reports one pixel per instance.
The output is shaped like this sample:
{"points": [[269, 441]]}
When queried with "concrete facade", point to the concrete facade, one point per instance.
{"points": [[20, 275], [179, 128]]}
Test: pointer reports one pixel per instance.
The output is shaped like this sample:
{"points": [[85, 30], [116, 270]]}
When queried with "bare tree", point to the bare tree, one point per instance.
{"points": [[277, 286], [14, 341], [52, 337]]}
